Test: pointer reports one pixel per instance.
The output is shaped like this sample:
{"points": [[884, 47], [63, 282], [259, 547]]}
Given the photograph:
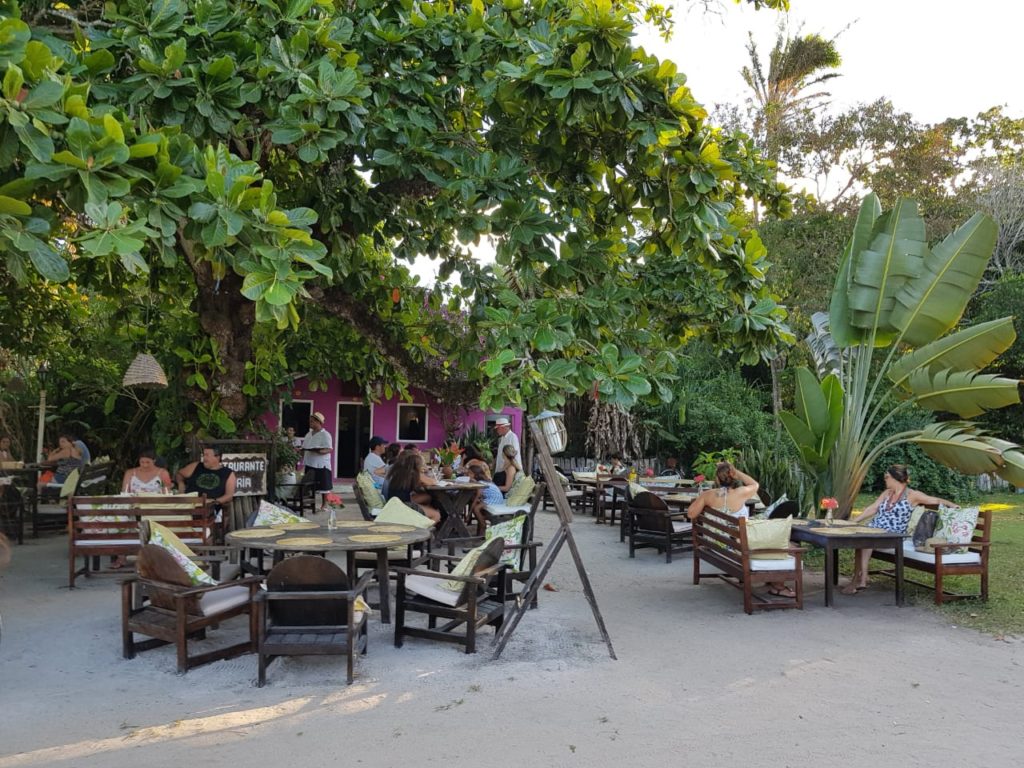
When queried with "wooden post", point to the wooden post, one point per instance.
{"points": [[562, 536]]}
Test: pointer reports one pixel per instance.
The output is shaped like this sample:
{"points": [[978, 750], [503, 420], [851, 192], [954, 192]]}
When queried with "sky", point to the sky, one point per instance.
{"points": [[932, 58]]}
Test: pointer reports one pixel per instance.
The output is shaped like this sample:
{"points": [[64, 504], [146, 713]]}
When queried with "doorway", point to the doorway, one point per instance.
{"points": [[296, 415], [352, 438]]}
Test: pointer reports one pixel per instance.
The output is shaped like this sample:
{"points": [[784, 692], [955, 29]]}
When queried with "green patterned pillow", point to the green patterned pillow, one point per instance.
{"points": [[511, 531], [163, 537], [271, 514], [956, 526], [397, 512], [476, 560], [371, 494], [521, 491]]}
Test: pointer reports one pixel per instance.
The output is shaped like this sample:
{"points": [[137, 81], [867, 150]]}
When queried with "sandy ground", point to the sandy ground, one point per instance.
{"points": [[697, 682]]}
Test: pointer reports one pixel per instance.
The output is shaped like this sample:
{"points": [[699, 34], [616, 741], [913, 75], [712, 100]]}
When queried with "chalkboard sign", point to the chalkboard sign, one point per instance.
{"points": [[250, 472]]}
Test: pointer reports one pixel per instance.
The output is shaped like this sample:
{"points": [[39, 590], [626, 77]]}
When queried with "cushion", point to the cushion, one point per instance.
{"points": [[424, 586], [768, 534], [915, 517], [504, 510], [956, 526], [635, 488], [371, 493], [170, 537], [163, 537], [223, 600], [271, 514], [476, 560], [767, 512], [948, 556], [678, 526], [768, 563], [397, 512], [521, 490], [512, 532], [68, 487]]}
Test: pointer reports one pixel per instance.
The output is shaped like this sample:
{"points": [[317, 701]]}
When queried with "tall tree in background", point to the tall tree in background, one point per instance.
{"points": [[782, 97]]}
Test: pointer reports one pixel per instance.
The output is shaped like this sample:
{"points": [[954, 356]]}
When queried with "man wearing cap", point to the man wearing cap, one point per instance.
{"points": [[374, 462], [507, 437], [316, 452]]}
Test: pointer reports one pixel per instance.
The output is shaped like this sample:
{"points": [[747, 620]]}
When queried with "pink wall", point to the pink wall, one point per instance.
{"points": [[384, 414]]}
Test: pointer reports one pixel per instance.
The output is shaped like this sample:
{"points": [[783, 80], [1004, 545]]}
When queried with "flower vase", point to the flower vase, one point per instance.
{"points": [[447, 472]]}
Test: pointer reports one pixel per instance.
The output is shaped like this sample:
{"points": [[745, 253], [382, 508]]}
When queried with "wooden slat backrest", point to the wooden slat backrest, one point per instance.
{"points": [[117, 517], [718, 528]]}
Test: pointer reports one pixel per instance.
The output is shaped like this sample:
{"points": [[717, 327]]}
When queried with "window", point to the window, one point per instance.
{"points": [[412, 423]]}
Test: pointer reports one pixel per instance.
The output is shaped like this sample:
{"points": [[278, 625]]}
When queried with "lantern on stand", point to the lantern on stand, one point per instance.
{"points": [[553, 428]]}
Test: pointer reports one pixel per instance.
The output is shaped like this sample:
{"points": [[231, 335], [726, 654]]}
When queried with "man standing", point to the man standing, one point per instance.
{"points": [[316, 456], [374, 462], [506, 437]]}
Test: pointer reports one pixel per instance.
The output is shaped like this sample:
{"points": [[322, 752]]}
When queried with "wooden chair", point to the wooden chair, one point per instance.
{"points": [[161, 603], [93, 480], [299, 497], [653, 524], [420, 591], [308, 609], [220, 561], [943, 563]]}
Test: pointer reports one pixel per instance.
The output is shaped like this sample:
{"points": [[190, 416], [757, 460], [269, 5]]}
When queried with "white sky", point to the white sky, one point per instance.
{"points": [[932, 58]]}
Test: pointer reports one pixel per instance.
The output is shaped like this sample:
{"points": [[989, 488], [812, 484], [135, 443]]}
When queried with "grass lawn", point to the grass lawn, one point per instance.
{"points": [[1004, 612]]}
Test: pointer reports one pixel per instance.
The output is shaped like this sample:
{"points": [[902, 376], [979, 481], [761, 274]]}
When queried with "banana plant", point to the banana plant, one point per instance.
{"points": [[893, 307]]}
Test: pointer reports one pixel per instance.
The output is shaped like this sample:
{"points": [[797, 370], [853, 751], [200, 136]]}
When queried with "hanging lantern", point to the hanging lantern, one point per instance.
{"points": [[553, 429], [145, 372]]}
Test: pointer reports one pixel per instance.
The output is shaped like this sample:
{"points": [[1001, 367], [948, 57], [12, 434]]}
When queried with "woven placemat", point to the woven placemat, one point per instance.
{"points": [[257, 533], [393, 528], [307, 541], [303, 526], [374, 538], [801, 521], [351, 524], [847, 530]]}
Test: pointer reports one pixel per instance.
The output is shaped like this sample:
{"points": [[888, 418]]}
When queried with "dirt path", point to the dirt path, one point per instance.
{"points": [[697, 683]]}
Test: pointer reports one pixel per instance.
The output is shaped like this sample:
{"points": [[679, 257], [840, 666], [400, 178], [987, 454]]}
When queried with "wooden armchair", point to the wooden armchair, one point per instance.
{"points": [[422, 590], [652, 524], [307, 610], [162, 603], [93, 480]]}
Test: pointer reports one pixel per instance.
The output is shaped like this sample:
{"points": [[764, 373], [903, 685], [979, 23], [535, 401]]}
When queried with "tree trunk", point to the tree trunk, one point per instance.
{"points": [[228, 318]]}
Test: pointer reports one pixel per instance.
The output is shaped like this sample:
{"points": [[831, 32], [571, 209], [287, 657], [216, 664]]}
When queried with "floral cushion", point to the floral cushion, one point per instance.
{"points": [[521, 491], [476, 560], [164, 537], [956, 526], [512, 532], [371, 493], [767, 512], [271, 514], [169, 537], [768, 534]]}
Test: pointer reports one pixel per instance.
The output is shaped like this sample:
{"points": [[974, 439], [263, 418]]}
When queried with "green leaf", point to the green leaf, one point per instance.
{"points": [[832, 389], [965, 393], [972, 348], [960, 446], [44, 258], [879, 272], [46, 94], [932, 304], [13, 80], [810, 403], [544, 339], [256, 284], [1013, 470], [14, 207]]}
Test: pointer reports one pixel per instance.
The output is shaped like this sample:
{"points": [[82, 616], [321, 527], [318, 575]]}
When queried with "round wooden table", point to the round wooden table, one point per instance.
{"points": [[345, 538], [452, 498]]}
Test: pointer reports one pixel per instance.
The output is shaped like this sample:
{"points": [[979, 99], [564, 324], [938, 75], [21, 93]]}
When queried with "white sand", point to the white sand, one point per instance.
{"points": [[697, 683]]}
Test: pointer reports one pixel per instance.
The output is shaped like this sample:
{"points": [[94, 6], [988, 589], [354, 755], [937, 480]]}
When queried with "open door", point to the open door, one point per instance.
{"points": [[352, 438]]}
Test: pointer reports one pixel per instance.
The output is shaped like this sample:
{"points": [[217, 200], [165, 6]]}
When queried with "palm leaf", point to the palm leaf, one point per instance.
{"points": [[929, 306], [810, 402], [842, 331], [828, 358], [832, 389], [802, 437], [1013, 470], [959, 445], [879, 272], [965, 393], [971, 348]]}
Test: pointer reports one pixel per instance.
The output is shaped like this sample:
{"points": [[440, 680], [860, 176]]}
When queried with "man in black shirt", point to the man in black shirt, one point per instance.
{"points": [[208, 478]]}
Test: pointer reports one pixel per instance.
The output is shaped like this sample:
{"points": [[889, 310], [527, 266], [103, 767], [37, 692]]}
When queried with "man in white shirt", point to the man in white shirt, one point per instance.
{"points": [[507, 437], [374, 463], [316, 451]]}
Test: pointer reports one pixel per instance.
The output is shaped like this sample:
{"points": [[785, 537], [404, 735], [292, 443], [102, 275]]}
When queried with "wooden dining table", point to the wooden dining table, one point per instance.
{"points": [[350, 537], [452, 499]]}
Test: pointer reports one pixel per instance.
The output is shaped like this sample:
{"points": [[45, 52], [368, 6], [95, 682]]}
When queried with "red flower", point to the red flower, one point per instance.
{"points": [[333, 498], [648, 472], [829, 503], [699, 479]]}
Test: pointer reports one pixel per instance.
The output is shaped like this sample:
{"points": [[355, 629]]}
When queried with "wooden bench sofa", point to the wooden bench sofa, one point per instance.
{"points": [[944, 562], [720, 540], [100, 526]]}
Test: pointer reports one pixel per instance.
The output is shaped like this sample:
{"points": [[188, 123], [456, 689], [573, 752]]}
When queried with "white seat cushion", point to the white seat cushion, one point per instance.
{"points": [[223, 600], [678, 526], [783, 564], [106, 542], [505, 509], [395, 553], [967, 558], [424, 586], [573, 494]]}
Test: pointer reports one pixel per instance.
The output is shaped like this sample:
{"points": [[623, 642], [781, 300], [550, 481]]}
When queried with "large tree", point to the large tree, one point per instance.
{"points": [[261, 157]]}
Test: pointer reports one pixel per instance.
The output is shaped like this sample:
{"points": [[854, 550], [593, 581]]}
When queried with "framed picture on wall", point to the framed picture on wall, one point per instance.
{"points": [[412, 423]]}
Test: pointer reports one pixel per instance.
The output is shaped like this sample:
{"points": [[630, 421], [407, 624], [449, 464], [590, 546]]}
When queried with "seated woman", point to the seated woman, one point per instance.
{"points": [[5, 449], [507, 476], [489, 494], [147, 477], [734, 489], [406, 480], [66, 459], [891, 511], [471, 457]]}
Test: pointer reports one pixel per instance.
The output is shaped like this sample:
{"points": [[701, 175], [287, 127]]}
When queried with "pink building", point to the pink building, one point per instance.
{"points": [[352, 423]]}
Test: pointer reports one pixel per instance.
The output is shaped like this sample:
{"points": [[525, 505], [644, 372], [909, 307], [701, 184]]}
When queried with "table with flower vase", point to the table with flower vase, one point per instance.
{"points": [[349, 536], [452, 498], [842, 534]]}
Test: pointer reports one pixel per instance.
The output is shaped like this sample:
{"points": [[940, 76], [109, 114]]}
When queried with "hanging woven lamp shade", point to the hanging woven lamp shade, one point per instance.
{"points": [[145, 372]]}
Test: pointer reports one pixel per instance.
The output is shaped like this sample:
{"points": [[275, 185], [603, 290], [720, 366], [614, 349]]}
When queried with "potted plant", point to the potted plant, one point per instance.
{"points": [[287, 456], [447, 456]]}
